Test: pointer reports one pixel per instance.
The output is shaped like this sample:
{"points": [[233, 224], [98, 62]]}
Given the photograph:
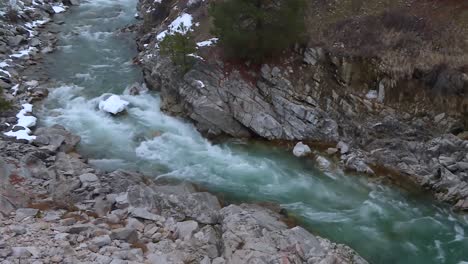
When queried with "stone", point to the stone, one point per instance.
{"points": [[102, 206], [332, 151], [218, 260], [438, 118], [323, 163], [205, 260], [25, 213], [135, 224], [301, 150], [127, 234], [343, 147], [88, 179], [57, 138], [78, 228], [18, 230], [101, 241], [21, 252], [186, 229], [121, 200], [462, 166], [446, 161], [144, 214]]}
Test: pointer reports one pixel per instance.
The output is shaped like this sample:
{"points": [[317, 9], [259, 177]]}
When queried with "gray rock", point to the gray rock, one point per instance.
{"points": [[135, 224], [343, 147], [128, 234], [25, 213], [88, 179], [79, 228], [57, 138], [101, 241], [439, 118], [186, 229], [144, 214], [462, 166], [18, 230], [446, 161], [332, 151]]}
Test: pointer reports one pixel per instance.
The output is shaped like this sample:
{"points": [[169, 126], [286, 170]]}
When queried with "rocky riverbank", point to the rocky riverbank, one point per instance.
{"points": [[56, 208], [315, 95]]}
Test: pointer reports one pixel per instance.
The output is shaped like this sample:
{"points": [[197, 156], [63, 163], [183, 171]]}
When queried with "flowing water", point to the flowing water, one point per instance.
{"points": [[383, 223]]}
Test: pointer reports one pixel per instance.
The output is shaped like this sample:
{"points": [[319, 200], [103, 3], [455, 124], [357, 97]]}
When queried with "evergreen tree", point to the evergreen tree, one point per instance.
{"points": [[179, 45], [255, 29]]}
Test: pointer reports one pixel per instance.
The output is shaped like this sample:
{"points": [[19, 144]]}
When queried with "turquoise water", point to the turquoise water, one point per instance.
{"points": [[383, 223]]}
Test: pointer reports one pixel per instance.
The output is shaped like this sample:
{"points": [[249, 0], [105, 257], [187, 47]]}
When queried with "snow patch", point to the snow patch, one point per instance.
{"points": [[372, 94], [23, 53], [182, 24], [25, 121], [207, 43], [58, 9], [113, 105]]}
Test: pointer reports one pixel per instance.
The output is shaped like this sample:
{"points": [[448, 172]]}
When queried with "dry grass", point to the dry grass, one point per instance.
{"points": [[403, 34]]}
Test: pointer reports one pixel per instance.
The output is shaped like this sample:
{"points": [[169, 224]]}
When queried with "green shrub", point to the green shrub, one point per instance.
{"points": [[257, 29], [4, 104], [179, 45]]}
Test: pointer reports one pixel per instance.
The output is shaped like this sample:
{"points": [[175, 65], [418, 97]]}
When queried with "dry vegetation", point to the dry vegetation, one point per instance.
{"points": [[403, 34]]}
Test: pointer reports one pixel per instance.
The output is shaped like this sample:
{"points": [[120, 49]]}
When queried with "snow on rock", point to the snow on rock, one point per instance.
{"points": [[200, 84], [207, 43], [26, 122], [184, 19], [372, 94], [113, 105], [4, 64], [23, 53], [301, 150], [58, 9], [36, 23], [15, 89]]}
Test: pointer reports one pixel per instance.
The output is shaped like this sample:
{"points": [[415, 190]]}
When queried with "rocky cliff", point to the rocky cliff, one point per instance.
{"points": [[318, 94]]}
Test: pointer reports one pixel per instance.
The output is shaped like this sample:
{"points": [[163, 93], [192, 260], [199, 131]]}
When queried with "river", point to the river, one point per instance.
{"points": [[383, 223]]}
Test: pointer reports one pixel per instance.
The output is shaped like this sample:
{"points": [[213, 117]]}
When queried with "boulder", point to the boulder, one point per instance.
{"points": [[127, 234], [23, 213], [56, 138], [113, 104], [343, 147], [301, 150], [185, 230]]}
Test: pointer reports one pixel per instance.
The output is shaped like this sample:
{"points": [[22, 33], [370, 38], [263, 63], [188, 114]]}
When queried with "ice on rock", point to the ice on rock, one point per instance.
{"points": [[114, 104]]}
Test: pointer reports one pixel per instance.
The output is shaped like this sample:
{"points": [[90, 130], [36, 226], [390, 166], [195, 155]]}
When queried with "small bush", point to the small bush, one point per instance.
{"points": [[4, 104], [254, 30], [12, 15], [179, 45]]}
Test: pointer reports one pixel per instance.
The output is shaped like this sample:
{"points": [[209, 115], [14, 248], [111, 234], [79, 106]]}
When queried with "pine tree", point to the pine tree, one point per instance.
{"points": [[256, 29], [179, 45]]}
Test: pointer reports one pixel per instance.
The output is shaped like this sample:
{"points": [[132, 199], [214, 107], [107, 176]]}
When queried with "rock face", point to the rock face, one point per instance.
{"points": [[77, 214], [314, 95]]}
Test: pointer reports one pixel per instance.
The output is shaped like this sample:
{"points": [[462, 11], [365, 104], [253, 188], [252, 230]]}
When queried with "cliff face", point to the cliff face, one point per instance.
{"points": [[406, 123]]}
